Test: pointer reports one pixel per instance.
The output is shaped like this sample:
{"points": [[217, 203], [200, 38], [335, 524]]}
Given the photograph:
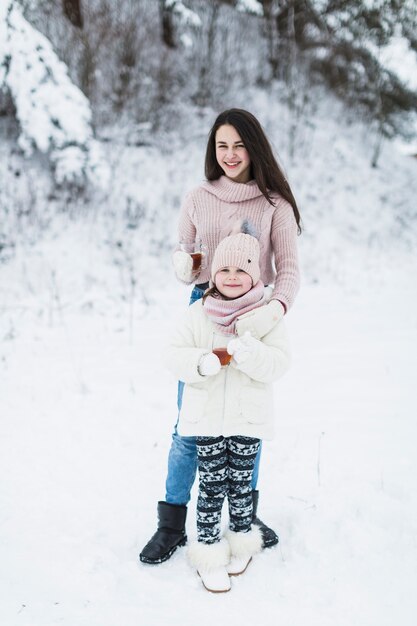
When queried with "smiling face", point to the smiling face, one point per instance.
{"points": [[232, 282], [232, 155]]}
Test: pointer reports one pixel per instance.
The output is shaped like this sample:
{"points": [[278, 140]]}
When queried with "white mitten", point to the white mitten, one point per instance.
{"points": [[183, 266], [241, 348], [261, 320], [209, 365]]}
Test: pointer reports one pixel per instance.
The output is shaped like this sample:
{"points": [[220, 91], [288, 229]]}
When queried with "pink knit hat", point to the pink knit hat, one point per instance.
{"points": [[240, 250]]}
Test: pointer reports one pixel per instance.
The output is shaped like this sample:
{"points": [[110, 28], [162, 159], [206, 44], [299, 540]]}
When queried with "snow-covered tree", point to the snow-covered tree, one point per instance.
{"points": [[341, 43], [176, 10], [53, 114]]}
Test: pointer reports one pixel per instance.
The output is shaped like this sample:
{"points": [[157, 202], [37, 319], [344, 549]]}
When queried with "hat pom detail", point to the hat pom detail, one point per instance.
{"points": [[248, 228], [244, 227]]}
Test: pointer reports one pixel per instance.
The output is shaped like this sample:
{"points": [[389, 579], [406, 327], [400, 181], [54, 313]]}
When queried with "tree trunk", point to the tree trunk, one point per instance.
{"points": [[271, 35], [205, 78], [72, 10], [167, 25]]}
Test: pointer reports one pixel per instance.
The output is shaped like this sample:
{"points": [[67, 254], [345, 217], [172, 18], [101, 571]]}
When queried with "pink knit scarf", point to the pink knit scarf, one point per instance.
{"points": [[224, 313]]}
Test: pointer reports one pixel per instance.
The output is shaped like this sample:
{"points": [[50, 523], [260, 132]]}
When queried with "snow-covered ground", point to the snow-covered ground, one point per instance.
{"points": [[87, 408], [87, 412]]}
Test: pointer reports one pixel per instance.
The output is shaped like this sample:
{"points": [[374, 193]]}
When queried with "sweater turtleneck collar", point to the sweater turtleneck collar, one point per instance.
{"points": [[228, 191]]}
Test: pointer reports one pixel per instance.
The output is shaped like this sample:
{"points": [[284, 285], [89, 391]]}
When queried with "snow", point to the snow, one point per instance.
{"points": [[250, 6], [87, 412], [87, 408], [400, 58], [188, 17]]}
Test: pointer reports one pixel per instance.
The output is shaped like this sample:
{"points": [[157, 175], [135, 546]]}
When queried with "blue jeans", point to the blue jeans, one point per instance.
{"points": [[182, 459]]}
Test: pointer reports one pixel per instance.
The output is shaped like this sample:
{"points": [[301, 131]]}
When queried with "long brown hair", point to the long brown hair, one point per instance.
{"points": [[264, 167], [212, 291]]}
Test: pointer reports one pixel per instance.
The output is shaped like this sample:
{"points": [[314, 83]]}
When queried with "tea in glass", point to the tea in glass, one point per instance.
{"points": [[196, 257], [198, 253], [223, 356]]}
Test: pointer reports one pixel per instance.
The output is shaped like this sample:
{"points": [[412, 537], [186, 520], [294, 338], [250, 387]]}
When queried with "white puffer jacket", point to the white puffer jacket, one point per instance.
{"points": [[239, 399]]}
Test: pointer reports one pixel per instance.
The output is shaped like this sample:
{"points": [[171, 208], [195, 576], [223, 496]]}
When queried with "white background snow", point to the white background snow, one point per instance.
{"points": [[87, 409]]}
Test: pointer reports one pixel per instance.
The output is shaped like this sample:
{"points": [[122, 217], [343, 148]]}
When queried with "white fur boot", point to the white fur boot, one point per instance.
{"points": [[243, 546], [210, 560]]}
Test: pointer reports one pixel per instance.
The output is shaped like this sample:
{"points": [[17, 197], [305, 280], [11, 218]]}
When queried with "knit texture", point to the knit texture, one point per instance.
{"points": [[224, 313], [210, 211], [238, 250]]}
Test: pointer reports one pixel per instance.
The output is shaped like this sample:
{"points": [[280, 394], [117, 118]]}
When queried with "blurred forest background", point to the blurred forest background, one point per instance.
{"points": [[145, 59], [105, 106]]}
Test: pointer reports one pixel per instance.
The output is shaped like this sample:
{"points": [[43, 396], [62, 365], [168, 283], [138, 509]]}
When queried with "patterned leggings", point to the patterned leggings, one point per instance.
{"points": [[225, 467]]}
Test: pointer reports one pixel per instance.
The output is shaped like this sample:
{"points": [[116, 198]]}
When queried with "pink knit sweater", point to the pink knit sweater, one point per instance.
{"points": [[210, 212]]}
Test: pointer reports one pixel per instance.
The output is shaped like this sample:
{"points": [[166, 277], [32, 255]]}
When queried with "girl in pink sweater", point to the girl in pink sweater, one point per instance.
{"points": [[244, 181]]}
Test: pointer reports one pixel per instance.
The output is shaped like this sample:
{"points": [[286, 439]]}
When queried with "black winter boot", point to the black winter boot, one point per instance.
{"points": [[169, 536], [269, 537]]}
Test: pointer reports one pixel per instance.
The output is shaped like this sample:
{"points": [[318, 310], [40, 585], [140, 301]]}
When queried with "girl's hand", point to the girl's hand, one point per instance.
{"points": [[242, 347], [261, 321], [183, 266], [209, 365]]}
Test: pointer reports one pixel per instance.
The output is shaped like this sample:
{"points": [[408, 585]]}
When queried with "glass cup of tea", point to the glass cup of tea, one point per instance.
{"points": [[223, 355], [220, 350], [198, 252]]}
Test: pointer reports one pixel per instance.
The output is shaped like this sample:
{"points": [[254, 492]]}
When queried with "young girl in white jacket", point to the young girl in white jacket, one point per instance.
{"points": [[227, 405]]}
